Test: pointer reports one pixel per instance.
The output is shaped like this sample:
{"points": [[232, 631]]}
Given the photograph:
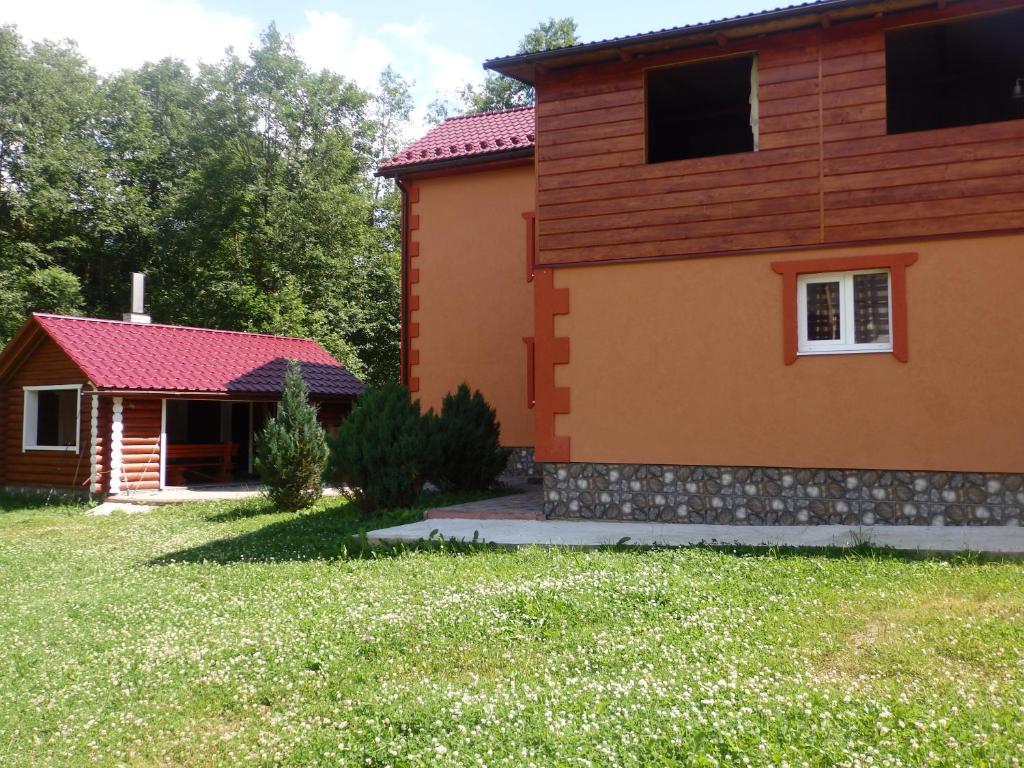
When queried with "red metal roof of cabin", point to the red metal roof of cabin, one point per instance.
{"points": [[153, 357], [482, 136]]}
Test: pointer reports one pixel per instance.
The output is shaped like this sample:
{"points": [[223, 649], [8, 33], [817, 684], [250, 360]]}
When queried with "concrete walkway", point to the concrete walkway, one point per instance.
{"points": [[198, 493], [1001, 540]]}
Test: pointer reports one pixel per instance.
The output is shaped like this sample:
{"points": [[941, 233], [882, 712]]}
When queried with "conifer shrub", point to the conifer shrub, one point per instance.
{"points": [[291, 450], [385, 448], [468, 454]]}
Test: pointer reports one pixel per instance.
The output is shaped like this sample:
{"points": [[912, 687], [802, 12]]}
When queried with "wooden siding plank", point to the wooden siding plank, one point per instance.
{"points": [[928, 174], [681, 248], [919, 227], [618, 98], [911, 211], [714, 197], [680, 215], [908, 193], [590, 148], [914, 157], [944, 137], [679, 231], [591, 132], [595, 117]]}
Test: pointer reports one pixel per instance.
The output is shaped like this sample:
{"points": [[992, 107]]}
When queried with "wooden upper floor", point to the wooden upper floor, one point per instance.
{"points": [[847, 137]]}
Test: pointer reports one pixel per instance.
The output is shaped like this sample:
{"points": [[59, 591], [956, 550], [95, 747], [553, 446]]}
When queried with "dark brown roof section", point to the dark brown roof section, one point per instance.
{"points": [[524, 66]]}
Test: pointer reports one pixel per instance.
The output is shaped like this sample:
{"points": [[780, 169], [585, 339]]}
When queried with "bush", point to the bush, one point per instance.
{"points": [[468, 433], [384, 448], [291, 450]]}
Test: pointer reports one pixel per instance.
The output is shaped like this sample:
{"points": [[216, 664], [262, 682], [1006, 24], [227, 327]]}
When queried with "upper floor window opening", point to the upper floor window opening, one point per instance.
{"points": [[961, 72], [702, 109]]}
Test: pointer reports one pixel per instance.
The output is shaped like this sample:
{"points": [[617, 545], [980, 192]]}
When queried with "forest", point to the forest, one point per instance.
{"points": [[244, 190]]}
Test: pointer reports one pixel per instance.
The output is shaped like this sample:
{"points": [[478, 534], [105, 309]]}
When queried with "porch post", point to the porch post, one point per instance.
{"points": [[116, 429]]}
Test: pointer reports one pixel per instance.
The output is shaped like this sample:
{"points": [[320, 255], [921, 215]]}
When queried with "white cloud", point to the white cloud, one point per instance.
{"points": [[119, 34], [330, 41]]}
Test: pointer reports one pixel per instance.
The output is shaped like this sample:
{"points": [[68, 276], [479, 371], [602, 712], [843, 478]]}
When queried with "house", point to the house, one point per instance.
{"points": [[758, 270], [112, 407]]}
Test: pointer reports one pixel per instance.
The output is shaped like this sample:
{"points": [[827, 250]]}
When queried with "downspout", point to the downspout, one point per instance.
{"points": [[403, 324]]}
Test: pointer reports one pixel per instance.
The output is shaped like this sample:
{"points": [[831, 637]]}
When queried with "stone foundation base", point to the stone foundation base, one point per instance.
{"points": [[521, 464], [780, 496]]}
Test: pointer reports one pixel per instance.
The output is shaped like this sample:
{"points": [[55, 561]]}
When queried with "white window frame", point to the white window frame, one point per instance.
{"points": [[30, 418], [845, 344]]}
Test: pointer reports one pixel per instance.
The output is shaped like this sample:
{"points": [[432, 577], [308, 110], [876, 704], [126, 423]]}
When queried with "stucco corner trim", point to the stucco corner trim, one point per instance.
{"points": [[549, 351], [896, 263], [413, 304]]}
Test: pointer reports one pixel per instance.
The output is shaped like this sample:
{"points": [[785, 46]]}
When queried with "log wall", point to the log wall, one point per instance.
{"points": [[47, 365], [140, 444], [825, 173]]}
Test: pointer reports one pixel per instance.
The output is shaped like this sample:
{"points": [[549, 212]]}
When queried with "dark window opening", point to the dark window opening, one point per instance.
{"points": [[957, 73], [701, 110], [57, 418]]}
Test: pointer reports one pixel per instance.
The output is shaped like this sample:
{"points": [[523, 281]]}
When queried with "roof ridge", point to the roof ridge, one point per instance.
{"points": [[471, 115], [175, 327]]}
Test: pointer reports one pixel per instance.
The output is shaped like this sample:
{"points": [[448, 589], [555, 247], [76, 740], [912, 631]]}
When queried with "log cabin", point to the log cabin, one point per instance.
{"points": [[105, 407], [764, 269]]}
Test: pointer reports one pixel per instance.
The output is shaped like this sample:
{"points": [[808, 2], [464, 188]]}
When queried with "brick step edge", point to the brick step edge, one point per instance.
{"points": [[450, 514]]}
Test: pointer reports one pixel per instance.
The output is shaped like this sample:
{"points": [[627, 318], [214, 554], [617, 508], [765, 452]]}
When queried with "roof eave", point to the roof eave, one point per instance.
{"points": [[17, 349], [524, 67], [455, 162]]}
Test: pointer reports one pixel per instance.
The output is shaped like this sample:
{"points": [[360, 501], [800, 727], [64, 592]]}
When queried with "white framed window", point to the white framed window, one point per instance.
{"points": [[842, 312], [51, 418]]}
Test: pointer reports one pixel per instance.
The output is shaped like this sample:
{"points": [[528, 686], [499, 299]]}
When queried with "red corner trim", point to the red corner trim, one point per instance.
{"points": [[531, 243], [531, 388], [896, 263], [549, 351], [414, 298]]}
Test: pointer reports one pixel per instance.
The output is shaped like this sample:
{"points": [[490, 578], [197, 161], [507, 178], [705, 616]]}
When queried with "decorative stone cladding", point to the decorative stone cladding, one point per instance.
{"points": [[780, 496], [522, 464]]}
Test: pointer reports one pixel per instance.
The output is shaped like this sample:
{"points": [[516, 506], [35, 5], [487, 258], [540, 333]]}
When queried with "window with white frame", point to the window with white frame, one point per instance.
{"points": [[845, 312], [51, 418]]}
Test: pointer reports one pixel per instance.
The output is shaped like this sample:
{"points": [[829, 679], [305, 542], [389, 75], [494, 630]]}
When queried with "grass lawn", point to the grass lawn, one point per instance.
{"points": [[228, 635]]}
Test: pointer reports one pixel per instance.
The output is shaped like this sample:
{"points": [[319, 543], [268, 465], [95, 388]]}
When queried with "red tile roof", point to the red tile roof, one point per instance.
{"points": [[482, 136], [141, 356]]}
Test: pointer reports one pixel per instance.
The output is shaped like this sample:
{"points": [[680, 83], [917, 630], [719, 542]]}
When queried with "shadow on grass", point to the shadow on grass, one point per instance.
{"points": [[336, 530], [862, 551], [34, 501]]}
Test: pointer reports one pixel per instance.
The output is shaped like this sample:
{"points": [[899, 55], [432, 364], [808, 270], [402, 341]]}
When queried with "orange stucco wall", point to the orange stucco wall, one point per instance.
{"points": [[680, 362], [475, 304]]}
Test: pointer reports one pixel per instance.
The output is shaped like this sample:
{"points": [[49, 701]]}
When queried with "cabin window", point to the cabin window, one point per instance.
{"points": [[702, 109], [956, 73], [51, 418], [844, 312]]}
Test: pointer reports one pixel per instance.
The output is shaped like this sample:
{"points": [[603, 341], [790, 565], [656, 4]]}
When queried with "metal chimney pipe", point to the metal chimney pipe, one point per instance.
{"points": [[138, 313]]}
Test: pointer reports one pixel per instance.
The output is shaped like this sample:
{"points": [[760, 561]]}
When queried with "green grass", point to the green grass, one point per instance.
{"points": [[230, 635]]}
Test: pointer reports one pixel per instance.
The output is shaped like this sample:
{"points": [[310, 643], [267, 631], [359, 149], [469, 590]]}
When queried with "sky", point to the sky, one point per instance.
{"points": [[438, 47]]}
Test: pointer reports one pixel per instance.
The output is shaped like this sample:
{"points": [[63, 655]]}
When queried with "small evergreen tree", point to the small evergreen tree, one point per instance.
{"points": [[468, 433], [291, 450], [384, 449]]}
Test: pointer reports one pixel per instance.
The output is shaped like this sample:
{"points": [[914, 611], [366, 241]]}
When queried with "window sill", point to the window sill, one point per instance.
{"points": [[817, 352], [59, 448]]}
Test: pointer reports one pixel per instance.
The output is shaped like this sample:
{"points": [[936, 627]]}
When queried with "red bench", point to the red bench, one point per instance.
{"points": [[210, 461]]}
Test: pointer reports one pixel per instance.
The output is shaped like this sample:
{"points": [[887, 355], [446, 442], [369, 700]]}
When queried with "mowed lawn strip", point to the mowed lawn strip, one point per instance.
{"points": [[226, 634]]}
